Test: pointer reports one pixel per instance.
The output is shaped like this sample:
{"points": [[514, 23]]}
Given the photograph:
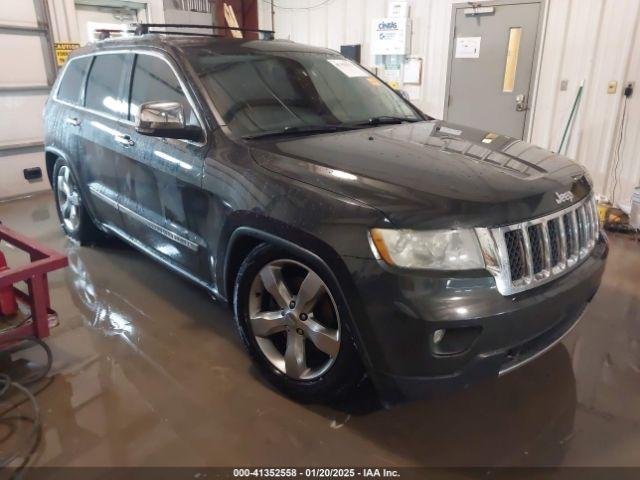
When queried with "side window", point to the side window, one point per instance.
{"points": [[103, 85], [154, 81], [71, 83]]}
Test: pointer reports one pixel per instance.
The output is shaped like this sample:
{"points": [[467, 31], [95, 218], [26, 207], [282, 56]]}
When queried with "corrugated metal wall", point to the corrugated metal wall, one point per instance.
{"points": [[24, 86], [596, 41], [585, 40]]}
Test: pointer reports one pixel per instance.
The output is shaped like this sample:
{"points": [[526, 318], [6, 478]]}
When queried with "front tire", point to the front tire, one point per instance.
{"points": [[74, 218], [295, 326]]}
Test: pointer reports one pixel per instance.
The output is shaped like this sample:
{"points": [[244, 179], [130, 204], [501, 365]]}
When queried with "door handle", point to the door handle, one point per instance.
{"points": [[521, 103], [124, 140], [72, 121]]}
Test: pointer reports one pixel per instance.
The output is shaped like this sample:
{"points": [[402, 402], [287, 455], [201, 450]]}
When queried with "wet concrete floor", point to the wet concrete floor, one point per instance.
{"points": [[148, 370]]}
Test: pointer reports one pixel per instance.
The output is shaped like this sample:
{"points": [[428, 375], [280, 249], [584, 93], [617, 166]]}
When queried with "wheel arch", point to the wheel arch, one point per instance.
{"points": [[244, 238], [51, 156], [246, 230]]}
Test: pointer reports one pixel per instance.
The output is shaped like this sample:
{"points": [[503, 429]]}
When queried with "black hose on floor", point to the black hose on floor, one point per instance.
{"points": [[31, 442]]}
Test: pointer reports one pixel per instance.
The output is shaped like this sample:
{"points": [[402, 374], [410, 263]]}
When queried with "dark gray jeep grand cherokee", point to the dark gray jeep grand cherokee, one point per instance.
{"points": [[352, 234]]}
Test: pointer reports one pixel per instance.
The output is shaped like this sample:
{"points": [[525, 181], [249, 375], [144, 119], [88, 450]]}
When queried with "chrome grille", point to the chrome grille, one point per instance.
{"points": [[569, 233], [537, 248], [528, 254], [514, 241], [555, 243]]}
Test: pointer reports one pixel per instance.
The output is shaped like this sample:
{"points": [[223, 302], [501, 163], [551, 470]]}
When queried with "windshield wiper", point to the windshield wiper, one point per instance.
{"points": [[311, 129], [386, 120], [295, 129]]}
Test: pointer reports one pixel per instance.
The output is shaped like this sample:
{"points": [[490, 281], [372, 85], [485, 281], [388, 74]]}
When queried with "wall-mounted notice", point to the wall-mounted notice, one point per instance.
{"points": [[398, 8], [468, 47], [413, 70], [389, 36]]}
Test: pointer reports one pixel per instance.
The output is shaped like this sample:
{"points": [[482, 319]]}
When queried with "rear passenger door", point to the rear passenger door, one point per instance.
{"points": [[162, 201], [66, 112], [102, 151]]}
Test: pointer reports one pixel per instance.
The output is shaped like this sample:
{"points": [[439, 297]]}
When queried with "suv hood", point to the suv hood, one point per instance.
{"points": [[431, 174]]}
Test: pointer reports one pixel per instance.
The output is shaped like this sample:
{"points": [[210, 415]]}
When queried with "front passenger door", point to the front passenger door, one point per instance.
{"points": [[161, 182]]}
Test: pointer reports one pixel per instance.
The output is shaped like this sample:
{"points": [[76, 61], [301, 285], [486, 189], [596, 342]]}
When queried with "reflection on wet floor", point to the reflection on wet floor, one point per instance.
{"points": [[148, 370]]}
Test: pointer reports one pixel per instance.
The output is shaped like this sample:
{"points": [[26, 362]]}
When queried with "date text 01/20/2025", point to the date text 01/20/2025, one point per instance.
{"points": [[316, 472]]}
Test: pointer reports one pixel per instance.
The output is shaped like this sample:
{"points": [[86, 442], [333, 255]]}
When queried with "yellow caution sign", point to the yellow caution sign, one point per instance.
{"points": [[63, 50]]}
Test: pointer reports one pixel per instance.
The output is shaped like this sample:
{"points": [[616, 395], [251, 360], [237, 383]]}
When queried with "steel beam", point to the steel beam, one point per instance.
{"points": [[24, 88], [4, 147], [6, 28]]}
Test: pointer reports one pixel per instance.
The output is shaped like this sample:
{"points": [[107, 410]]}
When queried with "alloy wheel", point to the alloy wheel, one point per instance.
{"points": [[68, 198], [294, 319]]}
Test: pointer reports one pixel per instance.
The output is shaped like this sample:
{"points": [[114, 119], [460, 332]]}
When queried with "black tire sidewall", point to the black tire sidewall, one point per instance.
{"points": [[344, 373], [75, 234], [87, 232]]}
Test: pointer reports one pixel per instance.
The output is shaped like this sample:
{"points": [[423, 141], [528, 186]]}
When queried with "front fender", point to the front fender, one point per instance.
{"points": [[313, 251]]}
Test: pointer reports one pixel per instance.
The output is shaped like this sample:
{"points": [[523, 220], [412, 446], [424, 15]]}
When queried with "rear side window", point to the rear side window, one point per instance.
{"points": [[103, 85], [154, 81], [71, 83]]}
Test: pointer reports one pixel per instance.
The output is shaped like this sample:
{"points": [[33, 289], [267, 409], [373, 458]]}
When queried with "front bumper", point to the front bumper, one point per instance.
{"points": [[403, 310]]}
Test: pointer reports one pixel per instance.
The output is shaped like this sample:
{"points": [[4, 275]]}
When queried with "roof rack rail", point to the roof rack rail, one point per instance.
{"points": [[144, 28]]}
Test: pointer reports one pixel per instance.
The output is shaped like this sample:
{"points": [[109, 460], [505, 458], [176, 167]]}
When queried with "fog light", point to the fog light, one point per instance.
{"points": [[454, 341], [438, 335]]}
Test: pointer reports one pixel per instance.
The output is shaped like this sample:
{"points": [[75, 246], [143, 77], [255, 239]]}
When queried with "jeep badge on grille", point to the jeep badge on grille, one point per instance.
{"points": [[564, 197]]}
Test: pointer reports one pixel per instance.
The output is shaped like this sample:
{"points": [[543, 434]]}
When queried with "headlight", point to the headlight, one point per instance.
{"points": [[431, 249]]}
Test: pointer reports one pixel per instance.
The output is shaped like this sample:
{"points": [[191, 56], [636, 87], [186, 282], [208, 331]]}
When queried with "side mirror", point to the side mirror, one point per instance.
{"points": [[165, 119]]}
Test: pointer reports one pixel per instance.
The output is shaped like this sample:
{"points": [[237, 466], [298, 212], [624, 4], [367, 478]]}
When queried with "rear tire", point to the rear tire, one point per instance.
{"points": [[295, 326], [74, 218]]}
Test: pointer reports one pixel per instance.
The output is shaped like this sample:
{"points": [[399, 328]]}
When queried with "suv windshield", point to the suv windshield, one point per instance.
{"points": [[285, 92]]}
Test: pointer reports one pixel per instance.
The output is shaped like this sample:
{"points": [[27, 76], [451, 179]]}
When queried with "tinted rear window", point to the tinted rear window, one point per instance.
{"points": [[103, 85], [71, 83]]}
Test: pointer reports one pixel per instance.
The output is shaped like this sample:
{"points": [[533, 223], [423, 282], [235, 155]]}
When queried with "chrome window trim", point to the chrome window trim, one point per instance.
{"points": [[494, 247], [124, 121]]}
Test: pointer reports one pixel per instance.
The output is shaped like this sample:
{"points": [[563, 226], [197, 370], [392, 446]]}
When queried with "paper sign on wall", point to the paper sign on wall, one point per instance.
{"points": [[348, 68], [398, 8], [468, 47], [413, 70], [389, 36]]}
